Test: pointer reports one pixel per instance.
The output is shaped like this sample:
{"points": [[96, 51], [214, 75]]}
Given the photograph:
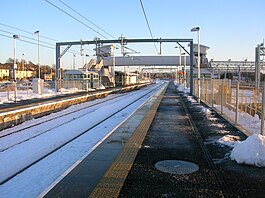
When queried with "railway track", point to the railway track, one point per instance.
{"points": [[65, 117], [130, 98]]}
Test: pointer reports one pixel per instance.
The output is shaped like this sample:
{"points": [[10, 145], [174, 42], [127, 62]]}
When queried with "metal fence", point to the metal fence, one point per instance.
{"points": [[74, 84], [231, 98]]}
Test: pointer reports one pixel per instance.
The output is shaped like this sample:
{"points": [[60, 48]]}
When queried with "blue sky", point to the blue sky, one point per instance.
{"points": [[231, 28]]}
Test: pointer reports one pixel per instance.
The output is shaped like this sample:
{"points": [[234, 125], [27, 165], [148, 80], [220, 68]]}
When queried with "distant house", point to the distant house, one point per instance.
{"points": [[6, 72]]}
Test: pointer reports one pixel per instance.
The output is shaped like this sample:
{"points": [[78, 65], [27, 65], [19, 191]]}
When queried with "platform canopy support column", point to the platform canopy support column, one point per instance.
{"points": [[191, 67], [57, 72], [259, 51]]}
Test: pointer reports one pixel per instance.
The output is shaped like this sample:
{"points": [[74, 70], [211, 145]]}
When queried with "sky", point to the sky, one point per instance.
{"points": [[231, 29]]}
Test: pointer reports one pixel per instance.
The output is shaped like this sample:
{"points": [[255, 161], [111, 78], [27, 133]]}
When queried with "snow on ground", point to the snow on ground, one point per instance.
{"points": [[252, 150], [56, 136], [205, 110], [252, 124], [36, 179], [181, 87], [8, 97], [228, 140]]}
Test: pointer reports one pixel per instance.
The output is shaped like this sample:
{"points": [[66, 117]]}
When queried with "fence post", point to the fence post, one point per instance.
{"points": [[222, 96], [262, 111], [212, 86], [250, 106], [237, 102], [206, 90], [194, 90]]}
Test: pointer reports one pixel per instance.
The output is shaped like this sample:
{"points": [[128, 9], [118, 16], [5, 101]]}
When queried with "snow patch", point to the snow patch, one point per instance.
{"points": [[218, 125], [212, 118], [251, 151], [102, 87], [181, 87], [190, 98], [205, 110], [229, 140]]}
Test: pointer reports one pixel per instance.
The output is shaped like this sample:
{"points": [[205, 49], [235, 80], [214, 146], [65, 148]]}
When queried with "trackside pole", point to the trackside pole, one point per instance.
{"points": [[212, 92], [262, 111], [222, 96], [237, 102]]}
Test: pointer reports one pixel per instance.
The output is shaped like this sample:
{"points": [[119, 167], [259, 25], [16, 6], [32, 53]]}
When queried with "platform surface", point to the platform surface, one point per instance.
{"points": [[120, 167]]}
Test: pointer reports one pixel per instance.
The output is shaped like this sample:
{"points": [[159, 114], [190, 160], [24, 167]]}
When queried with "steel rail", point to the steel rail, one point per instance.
{"points": [[53, 119], [74, 138]]}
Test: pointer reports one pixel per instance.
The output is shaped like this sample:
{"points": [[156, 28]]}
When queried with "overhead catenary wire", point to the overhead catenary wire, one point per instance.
{"points": [[27, 37], [86, 18], [11, 37], [29, 32], [26, 31], [76, 19], [149, 28], [6, 36], [70, 51], [30, 42]]}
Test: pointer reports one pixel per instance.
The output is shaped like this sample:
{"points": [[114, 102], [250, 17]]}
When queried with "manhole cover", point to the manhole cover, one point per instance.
{"points": [[176, 167]]}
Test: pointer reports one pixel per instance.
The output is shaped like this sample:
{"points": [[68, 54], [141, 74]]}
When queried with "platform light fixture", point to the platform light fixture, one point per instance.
{"points": [[184, 54], [197, 29], [38, 34], [179, 61], [15, 37]]}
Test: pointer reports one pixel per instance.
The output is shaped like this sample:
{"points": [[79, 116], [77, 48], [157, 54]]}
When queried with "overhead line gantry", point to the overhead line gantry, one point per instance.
{"points": [[98, 42]]}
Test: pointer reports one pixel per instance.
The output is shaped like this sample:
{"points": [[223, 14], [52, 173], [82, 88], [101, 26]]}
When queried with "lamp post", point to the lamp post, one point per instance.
{"points": [[23, 66], [179, 62], [184, 76], [197, 29], [15, 67], [38, 33]]}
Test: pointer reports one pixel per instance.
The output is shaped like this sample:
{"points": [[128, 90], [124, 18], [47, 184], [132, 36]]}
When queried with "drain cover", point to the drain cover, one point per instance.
{"points": [[177, 167]]}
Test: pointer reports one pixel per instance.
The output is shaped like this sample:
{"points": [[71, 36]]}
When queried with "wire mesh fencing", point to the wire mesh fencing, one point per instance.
{"points": [[231, 98]]}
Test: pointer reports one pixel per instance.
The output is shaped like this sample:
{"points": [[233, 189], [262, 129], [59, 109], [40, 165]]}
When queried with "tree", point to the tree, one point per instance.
{"points": [[10, 60]]}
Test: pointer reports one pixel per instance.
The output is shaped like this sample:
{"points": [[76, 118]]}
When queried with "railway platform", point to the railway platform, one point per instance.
{"points": [[168, 148]]}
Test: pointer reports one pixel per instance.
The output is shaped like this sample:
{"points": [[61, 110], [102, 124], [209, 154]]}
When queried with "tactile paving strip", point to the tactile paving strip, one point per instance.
{"points": [[112, 182]]}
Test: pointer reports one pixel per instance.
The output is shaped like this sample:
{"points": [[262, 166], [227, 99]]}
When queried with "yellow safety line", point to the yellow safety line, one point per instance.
{"points": [[112, 182]]}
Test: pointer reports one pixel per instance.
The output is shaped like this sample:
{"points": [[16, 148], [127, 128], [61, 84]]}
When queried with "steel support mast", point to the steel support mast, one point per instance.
{"points": [[121, 40]]}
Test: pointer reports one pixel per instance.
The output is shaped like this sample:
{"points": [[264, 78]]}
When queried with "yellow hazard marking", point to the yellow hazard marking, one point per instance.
{"points": [[112, 182]]}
